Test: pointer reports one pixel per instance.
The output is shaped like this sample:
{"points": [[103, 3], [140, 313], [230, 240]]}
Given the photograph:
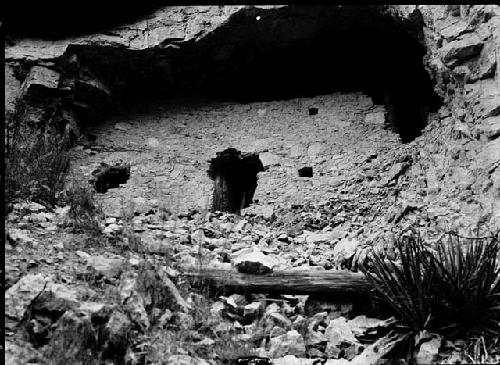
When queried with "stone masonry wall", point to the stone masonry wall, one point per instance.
{"points": [[456, 159]]}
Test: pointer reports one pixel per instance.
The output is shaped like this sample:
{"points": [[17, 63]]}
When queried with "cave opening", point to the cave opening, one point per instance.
{"points": [[360, 50], [107, 177], [293, 52]]}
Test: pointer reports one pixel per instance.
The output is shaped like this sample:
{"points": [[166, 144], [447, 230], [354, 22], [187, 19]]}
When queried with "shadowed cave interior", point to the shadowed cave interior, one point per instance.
{"points": [[303, 52]]}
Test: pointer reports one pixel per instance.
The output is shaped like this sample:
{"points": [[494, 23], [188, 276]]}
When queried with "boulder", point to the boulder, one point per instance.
{"points": [[362, 324], [297, 151], [29, 207], [153, 142], [19, 296], [146, 289], [293, 360], [453, 30], [12, 274], [376, 118], [337, 362], [184, 360], [290, 343], [313, 238], [74, 341], [374, 353], [236, 301], [19, 237], [485, 65], [428, 351], [267, 211], [344, 251], [464, 47], [260, 145], [315, 149], [489, 157], [40, 80], [132, 299], [255, 263], [314, 338], [490, 127], [22, 354], [93, 309], [279, 320], [269, 159], [108, 267], [488, 103], [252, 310], [396, 170], [116, 333], [276, 331], [339, 336], [56, 299]]}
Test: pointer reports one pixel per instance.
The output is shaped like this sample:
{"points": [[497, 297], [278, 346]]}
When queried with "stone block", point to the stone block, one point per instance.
{"points": [[464, 47]]}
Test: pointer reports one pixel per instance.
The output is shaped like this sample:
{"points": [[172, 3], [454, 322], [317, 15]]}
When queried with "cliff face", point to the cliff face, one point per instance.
{"points": [[192, 48], [460, 151]]}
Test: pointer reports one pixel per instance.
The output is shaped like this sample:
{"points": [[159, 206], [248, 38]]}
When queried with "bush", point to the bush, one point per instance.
{"points": [[84, 213], [453, 290], [35, 163]]}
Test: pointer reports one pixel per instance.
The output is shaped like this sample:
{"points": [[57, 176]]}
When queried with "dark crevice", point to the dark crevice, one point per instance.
{"points": [[235, 179], [306, 171], [313, 111], [108, 177]]}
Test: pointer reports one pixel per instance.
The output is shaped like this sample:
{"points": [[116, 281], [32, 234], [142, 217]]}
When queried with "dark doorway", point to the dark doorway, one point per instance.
{"points": [[235, 179]]}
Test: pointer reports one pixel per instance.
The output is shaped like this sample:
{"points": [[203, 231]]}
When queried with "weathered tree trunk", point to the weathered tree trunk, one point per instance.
{"points": [[235, 179], [222, 195], [284, 282]]}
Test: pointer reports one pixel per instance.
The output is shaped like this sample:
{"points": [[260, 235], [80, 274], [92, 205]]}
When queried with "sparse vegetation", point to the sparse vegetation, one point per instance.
{"points": [[35, 162], [452, 290], [85, 213]]}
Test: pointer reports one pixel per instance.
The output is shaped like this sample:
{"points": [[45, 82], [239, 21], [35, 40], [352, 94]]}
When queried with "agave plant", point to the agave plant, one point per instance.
{"points": [[454, 289], [466, 284], [405, 287]]}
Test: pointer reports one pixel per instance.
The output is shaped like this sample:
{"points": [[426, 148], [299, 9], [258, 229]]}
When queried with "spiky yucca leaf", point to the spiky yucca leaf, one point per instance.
{"points": [[466, 283], [450, 290], [405, 287]]}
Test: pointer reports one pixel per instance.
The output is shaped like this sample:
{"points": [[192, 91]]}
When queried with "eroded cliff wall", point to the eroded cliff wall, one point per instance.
{"points": [[455, 161]]}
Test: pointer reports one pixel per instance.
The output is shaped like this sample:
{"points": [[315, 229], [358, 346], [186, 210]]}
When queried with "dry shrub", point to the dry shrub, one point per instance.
{"points": [[35, 162], [85, 213]]}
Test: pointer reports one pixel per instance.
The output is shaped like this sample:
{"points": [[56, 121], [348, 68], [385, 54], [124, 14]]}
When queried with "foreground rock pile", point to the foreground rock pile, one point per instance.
{"points": [[110, 299]]}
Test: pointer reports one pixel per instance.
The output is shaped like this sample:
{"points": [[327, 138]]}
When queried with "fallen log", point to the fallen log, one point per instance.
{"points": [[283, 282]]}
